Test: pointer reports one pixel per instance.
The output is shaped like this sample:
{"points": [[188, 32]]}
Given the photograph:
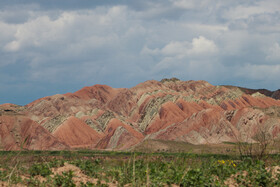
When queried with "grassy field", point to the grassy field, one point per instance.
{"points": [[108, 168], [153, 146]]}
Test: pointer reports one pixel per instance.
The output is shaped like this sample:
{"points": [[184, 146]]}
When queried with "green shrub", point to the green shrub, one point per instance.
{"points": [[88, 167], [56, 163], [39, 169]]}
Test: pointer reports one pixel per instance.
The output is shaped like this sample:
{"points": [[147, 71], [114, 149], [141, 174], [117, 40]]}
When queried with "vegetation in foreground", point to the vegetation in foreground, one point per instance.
{"points": [[93, 168]]}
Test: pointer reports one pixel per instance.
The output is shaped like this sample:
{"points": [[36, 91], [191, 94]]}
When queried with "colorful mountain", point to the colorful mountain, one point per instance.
{"points": [[101, 117]]}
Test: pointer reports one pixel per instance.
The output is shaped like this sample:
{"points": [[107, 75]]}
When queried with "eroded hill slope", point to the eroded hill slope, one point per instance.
{"points": [[101, 117]]}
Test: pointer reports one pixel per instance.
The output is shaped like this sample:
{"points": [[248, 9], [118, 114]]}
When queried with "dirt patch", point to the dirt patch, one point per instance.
{"points": [[77, 173], [275, 171], [231, 182], [4, 184], [79, 176]]}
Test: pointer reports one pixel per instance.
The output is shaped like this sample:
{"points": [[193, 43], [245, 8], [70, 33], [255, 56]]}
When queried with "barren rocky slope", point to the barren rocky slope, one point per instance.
{"points": [[101, 117]]}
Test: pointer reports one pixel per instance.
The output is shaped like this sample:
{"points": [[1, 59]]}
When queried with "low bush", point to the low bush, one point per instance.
{"points": [[40, 169]]}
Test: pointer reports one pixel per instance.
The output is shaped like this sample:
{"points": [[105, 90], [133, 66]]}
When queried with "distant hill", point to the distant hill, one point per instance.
{"points": [[273, 94]]}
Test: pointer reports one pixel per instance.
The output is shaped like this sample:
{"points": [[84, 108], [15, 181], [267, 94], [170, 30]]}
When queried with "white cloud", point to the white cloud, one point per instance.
{"points": [[214, 29], [241, 12], [69, 27], [185, 4], [6, 35], [190, 4], [71, 40], [12, 46], [200, 46], [239, 43], [141, 40], [147, 51], [259, 7], [203, 46], [257, 72], [273, 53], [176, 48], [39, 32], [186, 58]]}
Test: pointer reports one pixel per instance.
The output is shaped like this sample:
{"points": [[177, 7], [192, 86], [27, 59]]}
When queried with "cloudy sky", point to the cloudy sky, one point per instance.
{"points": [[60, 46]]}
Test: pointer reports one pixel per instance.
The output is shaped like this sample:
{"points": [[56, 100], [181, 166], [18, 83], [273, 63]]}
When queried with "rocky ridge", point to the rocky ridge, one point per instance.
{"points": [[101, 117]]}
